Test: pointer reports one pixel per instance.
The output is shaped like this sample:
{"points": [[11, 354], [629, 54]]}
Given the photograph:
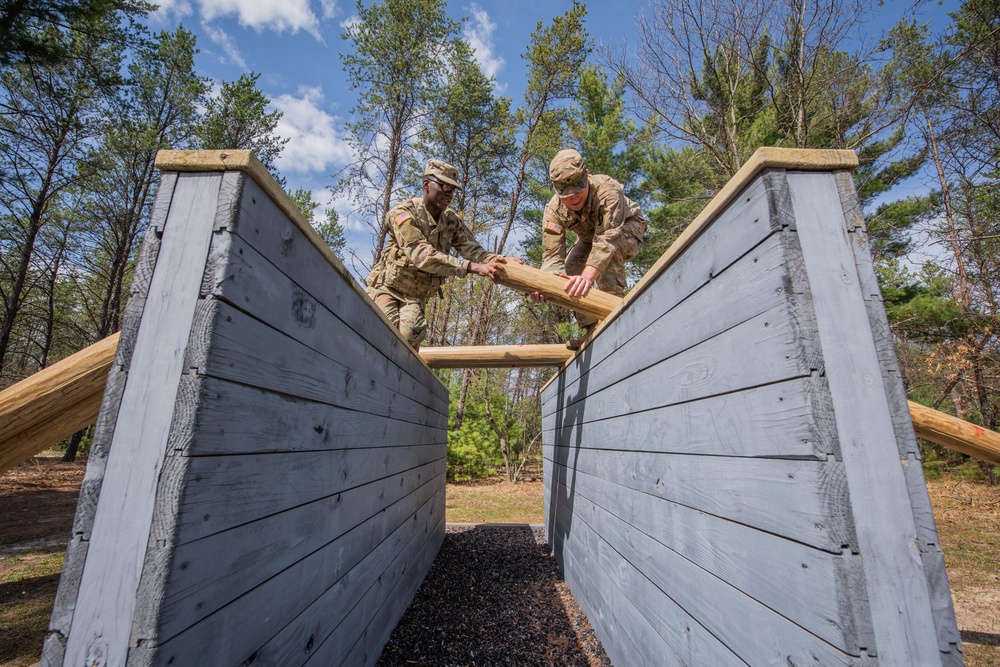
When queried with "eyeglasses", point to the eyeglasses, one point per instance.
{"points": [[444, 186]]}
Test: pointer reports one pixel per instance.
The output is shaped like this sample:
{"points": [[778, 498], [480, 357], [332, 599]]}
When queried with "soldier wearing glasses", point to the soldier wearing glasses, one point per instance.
{"points": [[417, 259]]}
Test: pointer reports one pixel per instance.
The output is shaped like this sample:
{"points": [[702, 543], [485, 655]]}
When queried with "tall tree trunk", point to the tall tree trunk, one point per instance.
{"points": [[74, 446]]}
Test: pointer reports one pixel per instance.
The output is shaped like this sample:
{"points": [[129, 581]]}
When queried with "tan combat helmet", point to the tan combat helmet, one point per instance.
{"points": [[443, 172], [568, 173]]}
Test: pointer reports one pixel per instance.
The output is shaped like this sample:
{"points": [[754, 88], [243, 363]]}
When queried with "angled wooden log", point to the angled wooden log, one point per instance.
{"points": [[528, 279], [955, 433], [496, 356], [54, 403]]}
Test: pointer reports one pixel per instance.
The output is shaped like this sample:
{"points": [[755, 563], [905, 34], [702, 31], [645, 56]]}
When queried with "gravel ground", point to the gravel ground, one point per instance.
{"points": [[494, 596]]}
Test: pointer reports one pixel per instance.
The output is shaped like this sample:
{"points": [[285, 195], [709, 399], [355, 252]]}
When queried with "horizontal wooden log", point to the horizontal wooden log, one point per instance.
{"points": [[54, 403], [528, 279], [955, 433], [40, 437], [496, 356]]}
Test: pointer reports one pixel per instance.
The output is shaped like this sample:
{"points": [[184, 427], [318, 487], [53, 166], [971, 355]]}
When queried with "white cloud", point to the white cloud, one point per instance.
{"points": [[168, 9], [478, 32], [350, 22], [314, 144], [329, 8], [278, 15], [227, 43]]}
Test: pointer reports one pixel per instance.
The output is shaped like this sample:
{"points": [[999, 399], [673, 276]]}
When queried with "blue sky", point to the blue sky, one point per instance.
{"points": [[294, 45]]}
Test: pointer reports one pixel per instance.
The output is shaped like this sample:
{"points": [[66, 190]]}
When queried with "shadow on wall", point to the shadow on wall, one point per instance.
{"points": [[494, 596], [569, 418]]}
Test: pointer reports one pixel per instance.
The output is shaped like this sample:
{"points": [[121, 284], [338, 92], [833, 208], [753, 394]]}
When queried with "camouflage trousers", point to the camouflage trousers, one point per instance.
{"points": [[406, 314], [612, 280]]}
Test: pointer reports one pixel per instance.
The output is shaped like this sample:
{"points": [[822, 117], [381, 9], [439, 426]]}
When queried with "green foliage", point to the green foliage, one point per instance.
{"points": [[680, 183], [331, 231], [40, 31], [569, 331], [609, 141], [399, 47], [473, 448], [919, 305], [238, 119]]}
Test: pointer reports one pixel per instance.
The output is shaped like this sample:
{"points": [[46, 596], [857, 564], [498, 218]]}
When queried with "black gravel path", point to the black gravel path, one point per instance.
{"points": [[494, 596]]}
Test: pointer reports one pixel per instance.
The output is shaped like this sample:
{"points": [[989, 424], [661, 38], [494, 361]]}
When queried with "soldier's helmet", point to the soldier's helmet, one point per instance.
{"points": [[443, 172], [568, 173]]}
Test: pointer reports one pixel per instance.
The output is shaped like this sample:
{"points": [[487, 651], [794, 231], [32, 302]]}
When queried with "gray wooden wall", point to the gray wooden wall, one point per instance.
{"points": [[267, 479], [731, 474]]}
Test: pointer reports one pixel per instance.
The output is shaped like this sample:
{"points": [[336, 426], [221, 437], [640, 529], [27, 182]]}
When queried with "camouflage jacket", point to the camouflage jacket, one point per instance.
{"points": [[417, 260], [604, 218]]}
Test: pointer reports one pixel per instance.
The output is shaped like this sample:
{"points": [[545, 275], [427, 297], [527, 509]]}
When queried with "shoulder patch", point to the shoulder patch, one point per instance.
{"points": [[553, 227], [402, 217]]}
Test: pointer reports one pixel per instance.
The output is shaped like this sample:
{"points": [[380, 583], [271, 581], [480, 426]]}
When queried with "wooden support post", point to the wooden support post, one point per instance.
{"points": [[495, 356], [528, 279], [955, 433], [54, 403]]}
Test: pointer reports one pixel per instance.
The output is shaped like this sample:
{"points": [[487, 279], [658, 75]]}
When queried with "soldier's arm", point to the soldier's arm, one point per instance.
{"points": [[465, 244], [553, 243]]}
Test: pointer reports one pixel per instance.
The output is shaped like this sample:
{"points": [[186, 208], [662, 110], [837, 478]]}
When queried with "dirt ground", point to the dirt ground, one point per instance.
{"points": [[38, 501]]}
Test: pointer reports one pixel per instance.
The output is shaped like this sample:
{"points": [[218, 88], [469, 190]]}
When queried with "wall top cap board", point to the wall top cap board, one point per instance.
{"points": [[249, 164]]}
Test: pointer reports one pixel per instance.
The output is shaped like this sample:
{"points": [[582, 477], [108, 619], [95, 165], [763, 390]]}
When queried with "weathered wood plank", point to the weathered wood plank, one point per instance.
{"points": [[709, 601], [905, 634], [406, 574], [262, 226], [124, 513], [903, 418], [654, 629], [718, 365], [746, 491], [757, 283], [221, 492], [307, 601], [241, 349], [822, 592], [257, 551], [242, 277], [775, 420], [324, 619], [238, 419]]}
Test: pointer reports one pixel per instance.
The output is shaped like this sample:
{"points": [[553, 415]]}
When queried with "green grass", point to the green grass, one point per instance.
{"points": [[27, 590]]}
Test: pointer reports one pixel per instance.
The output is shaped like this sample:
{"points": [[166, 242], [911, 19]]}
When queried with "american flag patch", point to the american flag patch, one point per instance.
{"points": [[552, 226], [401, 218]]}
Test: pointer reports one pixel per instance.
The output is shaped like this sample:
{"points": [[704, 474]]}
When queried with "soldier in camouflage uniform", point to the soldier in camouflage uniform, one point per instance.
{"points": [[609, 228], [417, 260]]}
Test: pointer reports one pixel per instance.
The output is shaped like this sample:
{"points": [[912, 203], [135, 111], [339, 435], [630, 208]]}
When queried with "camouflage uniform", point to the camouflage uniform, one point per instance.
{"points": [[609, 227], [416, 259]]}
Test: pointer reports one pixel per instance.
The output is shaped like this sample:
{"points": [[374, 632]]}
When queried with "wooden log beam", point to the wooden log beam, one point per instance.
{"points": [[955, 433], [54, 403], [529, 279], [495, 356]]}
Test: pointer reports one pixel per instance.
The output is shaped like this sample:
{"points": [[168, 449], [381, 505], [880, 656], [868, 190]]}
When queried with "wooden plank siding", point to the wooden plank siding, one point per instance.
{"points": [[730, 477], [273, 492]]}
